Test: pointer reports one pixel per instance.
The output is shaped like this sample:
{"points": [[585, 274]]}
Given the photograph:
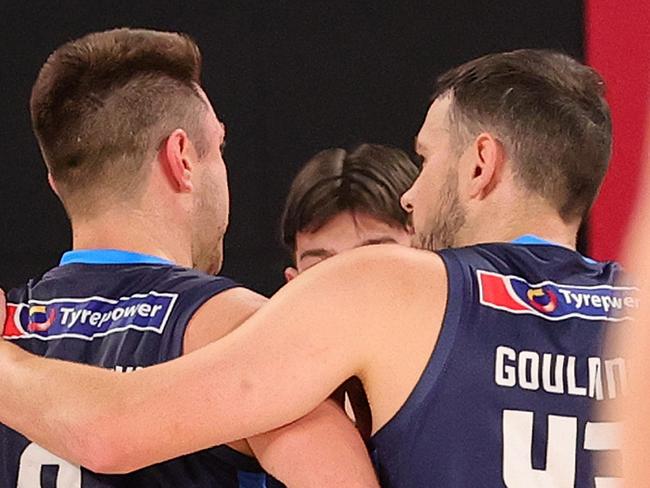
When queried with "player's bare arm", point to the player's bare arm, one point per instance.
{"points": [[321, 449], [234, 306], [333, 322], [326, 436]]}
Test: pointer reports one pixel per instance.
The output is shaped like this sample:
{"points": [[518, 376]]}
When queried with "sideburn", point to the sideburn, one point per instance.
{"points": [[451, 217]]}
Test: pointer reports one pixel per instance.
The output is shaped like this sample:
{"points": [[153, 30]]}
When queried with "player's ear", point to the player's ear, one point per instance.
{"points": [[177, 156], [290, 273], [489, 158], [50, 180]]}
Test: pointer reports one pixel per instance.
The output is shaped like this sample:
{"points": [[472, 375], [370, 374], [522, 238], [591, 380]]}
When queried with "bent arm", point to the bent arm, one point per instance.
{"points": [[320, 449], [322, 328]]}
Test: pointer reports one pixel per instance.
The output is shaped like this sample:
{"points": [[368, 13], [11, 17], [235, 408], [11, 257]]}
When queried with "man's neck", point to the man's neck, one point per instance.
{"points": [[133, 232], [554, 236], [546, 225]]}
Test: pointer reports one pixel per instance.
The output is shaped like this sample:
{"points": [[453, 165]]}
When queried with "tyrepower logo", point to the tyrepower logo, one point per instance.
{"points": [[554, 301], [86, 318]]}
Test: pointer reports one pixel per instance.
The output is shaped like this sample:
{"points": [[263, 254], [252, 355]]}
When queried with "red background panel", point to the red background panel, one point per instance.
{"points": [[618, 46]]}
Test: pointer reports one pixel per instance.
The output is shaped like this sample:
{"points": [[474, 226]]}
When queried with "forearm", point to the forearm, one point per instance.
{"points": [[117, 423], [321, 449], [285, 361], [106, 422], [52, 405]]}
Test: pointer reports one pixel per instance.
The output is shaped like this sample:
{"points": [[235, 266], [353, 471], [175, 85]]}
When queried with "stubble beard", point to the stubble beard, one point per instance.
{"points": [[207, 234], [450, 218], [208, 260]]}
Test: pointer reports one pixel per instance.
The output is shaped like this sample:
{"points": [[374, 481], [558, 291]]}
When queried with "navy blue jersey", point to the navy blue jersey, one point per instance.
{"points": [[121, 311], [508, 396]]}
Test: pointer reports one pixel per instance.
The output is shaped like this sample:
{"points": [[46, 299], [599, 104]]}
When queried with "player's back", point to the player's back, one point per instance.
{"points": [[120, 311], [509, 394]]}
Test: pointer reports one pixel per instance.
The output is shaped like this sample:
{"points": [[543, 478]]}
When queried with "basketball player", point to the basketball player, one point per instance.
{"points": [[342, 200], [481, 362], [132, 147]]}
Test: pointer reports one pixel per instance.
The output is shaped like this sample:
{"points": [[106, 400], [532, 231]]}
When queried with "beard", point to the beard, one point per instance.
{"points": [[448, 219], [208, 230], [208, 258]]}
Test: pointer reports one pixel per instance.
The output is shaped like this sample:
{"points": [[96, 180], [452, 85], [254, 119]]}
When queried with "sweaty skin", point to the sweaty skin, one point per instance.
{"points": [[314, 334]]}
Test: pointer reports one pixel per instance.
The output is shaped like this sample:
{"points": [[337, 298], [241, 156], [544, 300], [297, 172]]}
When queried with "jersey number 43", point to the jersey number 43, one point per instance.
{"points": [[560, 472]]}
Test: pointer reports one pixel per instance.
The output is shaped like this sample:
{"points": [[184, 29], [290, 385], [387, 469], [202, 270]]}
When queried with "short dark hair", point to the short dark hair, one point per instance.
{"points": [[102, 103], [369, 179], [550, 113]]}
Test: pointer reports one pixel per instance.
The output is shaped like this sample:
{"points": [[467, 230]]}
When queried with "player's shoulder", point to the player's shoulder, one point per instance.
{"points": [[387, 266], [219, 303], [390, 258], [189, 287], [192, 277], [235, 298], [220, 315], [188, 283]]}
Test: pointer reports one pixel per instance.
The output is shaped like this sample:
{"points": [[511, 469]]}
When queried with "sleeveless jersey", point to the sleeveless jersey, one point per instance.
{"points": [[121, 311], [512, 393]]}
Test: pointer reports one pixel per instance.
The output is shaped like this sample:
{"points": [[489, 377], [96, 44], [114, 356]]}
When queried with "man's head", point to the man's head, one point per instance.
{"points": [[341, 200], [121, 121], [509, 135]]}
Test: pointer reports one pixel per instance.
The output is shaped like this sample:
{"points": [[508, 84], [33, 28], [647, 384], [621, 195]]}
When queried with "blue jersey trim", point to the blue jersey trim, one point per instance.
{"points": [[533, 240], [251, 480], [109, 256]]}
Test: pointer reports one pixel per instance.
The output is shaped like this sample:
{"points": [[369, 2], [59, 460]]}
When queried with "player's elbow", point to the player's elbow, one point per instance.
{"points": [[107, 460], [101, 447]]}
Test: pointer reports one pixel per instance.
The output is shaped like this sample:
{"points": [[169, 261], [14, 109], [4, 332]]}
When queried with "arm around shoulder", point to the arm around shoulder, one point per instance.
{"points": [[325, 326]]}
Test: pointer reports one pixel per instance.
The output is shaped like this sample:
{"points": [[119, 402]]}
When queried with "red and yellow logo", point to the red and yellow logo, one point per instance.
{"points": [[39, 318], [544, 301]]}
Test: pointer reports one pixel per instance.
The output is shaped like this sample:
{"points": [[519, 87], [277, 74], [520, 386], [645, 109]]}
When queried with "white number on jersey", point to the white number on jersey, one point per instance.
{"points": [[32, 460], [560, 472]]}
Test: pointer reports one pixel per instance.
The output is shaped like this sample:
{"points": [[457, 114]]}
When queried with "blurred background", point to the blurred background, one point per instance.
{"points": [[290, 78]]}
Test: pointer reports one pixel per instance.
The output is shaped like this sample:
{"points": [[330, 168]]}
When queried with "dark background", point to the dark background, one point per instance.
{"points": [[289, 78]]}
